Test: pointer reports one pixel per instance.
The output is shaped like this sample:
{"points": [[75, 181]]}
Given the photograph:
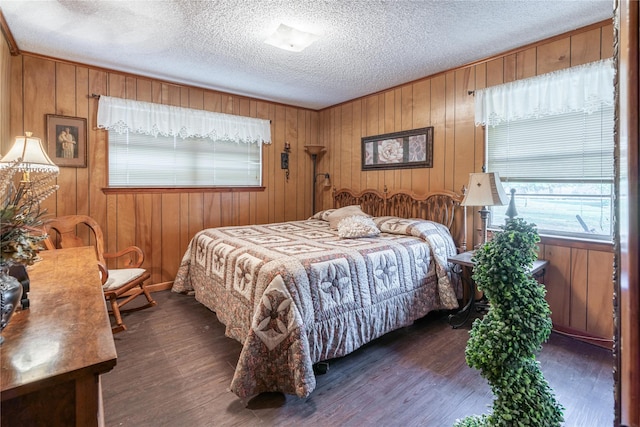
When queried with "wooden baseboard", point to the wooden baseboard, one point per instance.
{"points": [[154, 287], [584, 336]]}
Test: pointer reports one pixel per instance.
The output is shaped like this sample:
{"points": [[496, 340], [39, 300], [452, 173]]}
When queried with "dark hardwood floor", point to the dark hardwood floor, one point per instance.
{"points": [[175, 366]]}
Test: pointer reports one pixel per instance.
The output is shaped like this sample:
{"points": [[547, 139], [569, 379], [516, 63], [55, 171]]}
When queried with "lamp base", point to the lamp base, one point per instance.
{"points": [[484, 217]]}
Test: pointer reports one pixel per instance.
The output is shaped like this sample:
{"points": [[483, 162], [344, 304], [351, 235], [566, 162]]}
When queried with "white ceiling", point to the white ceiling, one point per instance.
{"points": [[366, 45]]}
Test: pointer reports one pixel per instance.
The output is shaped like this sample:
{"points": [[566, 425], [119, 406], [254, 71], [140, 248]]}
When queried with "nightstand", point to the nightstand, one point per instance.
{"points": [[463, 266]]}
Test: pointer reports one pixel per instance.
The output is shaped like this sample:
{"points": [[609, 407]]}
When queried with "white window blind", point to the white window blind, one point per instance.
{"points": [[572, 147], [137, 160]]}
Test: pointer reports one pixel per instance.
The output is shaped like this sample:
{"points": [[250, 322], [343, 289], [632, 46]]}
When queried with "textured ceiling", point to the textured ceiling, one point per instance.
{"points": [[366, 45]]}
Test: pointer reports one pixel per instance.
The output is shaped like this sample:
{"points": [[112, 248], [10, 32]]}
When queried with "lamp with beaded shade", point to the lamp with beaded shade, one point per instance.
{"points": [[31, 155]]}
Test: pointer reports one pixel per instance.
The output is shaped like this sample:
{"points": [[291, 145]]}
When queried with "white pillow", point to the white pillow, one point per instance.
{"points": [[337, 215], [357, 226]]}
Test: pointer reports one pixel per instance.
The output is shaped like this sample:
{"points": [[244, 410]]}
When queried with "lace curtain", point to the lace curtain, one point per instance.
{"points": [[120, 115], [582, 88]]}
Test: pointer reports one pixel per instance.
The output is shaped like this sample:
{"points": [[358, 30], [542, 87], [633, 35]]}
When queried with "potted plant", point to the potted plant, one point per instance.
{"points": [[502, 345]]}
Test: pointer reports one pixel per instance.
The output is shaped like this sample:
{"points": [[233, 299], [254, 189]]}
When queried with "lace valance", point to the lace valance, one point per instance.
{"points": [[120, 115], [582, 88]]}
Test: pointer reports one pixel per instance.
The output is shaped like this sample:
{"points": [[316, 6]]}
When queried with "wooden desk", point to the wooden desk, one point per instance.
{"points": [[54, 352]]}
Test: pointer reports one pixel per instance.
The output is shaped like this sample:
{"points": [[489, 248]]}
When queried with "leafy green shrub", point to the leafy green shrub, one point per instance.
{"points": [[502, 345]]}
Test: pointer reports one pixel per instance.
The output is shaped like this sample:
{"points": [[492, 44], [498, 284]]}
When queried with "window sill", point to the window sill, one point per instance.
{"points": [[151, 190], [572, 242]]}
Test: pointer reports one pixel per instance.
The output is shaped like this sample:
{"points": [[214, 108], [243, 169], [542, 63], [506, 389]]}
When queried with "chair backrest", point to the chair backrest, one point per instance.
{"points": [[66, 229]]}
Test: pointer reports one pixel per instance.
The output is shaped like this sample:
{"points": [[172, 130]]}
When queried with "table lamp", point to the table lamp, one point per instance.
{"points": [[484, 190]]}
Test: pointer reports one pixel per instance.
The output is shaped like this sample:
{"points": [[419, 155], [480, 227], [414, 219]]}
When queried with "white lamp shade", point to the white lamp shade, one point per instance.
{"points": [[28, 149], [485, 189]]}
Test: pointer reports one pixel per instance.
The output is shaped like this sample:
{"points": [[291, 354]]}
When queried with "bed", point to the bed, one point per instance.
{"points": [[297, 293]]}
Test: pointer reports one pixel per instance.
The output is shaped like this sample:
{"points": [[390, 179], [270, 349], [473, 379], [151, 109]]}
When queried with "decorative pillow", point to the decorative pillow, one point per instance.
{"points": [[357, 226], [335, 217], [322, 215]]}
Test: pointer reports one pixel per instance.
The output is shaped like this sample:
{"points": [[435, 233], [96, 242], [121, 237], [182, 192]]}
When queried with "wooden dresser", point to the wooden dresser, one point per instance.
{"points": [[54, 352]]}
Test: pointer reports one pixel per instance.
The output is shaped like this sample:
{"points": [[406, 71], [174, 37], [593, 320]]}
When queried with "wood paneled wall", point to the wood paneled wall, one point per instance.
{"points": [[162, 224], [579, 279], [5, 83]]}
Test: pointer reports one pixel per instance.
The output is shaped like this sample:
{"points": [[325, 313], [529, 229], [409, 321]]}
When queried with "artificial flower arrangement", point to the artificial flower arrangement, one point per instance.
{"points": [[21, 216]]}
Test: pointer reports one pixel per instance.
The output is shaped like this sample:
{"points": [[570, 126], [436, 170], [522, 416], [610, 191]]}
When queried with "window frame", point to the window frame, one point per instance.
{"points": [[497, 212]]}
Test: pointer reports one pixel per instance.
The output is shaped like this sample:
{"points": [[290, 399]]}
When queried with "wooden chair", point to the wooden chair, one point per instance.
{"points": [[120, 286]]}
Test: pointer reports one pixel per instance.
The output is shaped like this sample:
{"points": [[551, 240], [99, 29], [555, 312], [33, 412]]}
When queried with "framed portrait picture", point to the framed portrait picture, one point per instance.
{"points": [[67, 140], [406, 149]]}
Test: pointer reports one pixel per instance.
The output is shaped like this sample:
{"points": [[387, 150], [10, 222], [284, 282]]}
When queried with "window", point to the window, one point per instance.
{"points": [[561, 167], [554, 145], [154, 145], [137, 160]]}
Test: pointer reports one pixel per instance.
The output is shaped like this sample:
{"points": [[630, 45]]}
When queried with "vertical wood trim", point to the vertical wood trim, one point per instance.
{"points": [[143, 229], [606, 42], [438, 120], [65, 102], [495, 72], [346, 149], [262, 199], [554, 56], [291, 136], [83, 110], [421, 118], [39, 76], [510, 68], [579, 289], [600, 294], [356, 141], [371, 125], [450, 130], [171, 251], [628, 411], [582, 51], [526, 63], [17, 99], [302, 208], [557, 279], [155, 263], [97, 154], [5, 96], [464, 129]]}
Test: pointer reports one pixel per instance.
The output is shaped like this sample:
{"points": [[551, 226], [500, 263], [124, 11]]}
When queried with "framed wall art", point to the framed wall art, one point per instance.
{"points": [[406, 149], [67, 140]]}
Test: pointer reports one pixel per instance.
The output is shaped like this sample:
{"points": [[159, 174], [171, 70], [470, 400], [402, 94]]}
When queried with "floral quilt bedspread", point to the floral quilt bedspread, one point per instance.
{"points": [[295, 293]]}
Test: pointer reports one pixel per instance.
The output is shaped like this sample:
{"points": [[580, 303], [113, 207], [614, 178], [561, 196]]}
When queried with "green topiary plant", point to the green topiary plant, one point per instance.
{"points": [[503, 344]]}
